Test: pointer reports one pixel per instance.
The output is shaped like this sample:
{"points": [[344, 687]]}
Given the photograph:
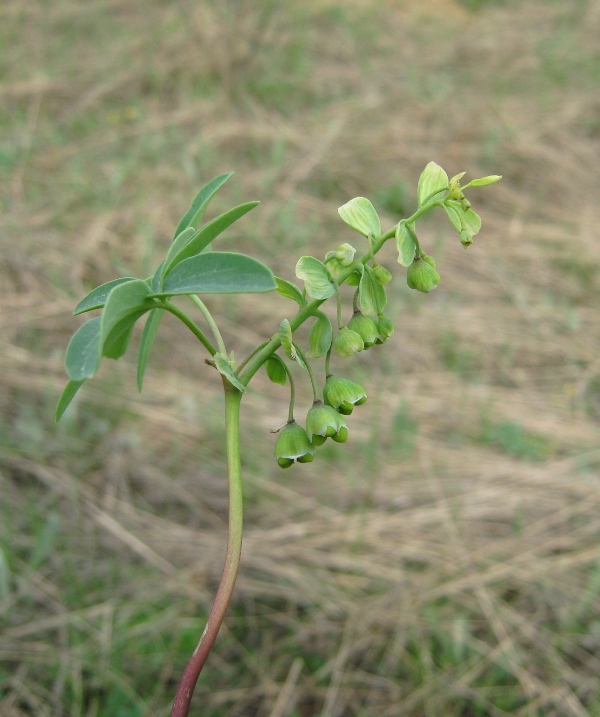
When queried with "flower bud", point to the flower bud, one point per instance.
{"points": [[343, 394], [465, 203], [323, 422], [385, 327], [348, 342], [381, 274], [421, 275], [466, 238], [365, 327], [293, 445], [345, 254]]}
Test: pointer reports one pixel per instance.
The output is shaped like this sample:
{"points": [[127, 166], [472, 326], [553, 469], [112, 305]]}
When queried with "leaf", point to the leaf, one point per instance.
{"points": [[218, 272], [276, 370], [67, 396], [432, 181], [154, 281], [124, 306], [454, 214], [82, 358], [225, 368], [406, 244], [287, 342], [203, 237], [320, 337], [484, 181], [471, 219], [473, 222], [290, 291], [118, 340], [97, 298], [195, 213], [360, 214], [371, 294], [177, 245], [150, 331], [316, 277]]}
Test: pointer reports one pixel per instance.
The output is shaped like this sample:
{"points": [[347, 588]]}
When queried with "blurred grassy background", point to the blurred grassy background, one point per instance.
{"points": [[446, 561]]}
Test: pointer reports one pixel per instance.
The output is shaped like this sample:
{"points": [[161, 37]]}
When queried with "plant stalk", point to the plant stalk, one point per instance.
{"points": [[219, 607]]}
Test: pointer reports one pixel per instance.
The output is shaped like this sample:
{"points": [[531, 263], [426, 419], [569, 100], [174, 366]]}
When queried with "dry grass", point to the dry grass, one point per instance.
{"points": [[446, 561]]}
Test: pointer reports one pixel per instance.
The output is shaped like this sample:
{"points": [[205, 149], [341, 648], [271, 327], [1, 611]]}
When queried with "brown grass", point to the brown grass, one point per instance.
{"points": [[437, 580]]}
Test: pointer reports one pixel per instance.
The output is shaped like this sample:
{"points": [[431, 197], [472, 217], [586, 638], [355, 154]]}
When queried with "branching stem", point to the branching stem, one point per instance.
{"points": [[210, 321], [198, 333]]}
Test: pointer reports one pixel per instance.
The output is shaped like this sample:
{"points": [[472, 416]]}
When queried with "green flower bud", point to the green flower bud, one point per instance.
{"points": [[429, 259], [348, 342], [454, 187], [343, 394], [421, 275], [381, 274], [465, 203], [293, 445], [385, 327], [353, 279], [466, 238], [345, 254], [365, 327], [323, 422]]}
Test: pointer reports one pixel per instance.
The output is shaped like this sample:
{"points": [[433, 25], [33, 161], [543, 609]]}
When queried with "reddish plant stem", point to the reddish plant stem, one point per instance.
{"points": [[185, 690]]}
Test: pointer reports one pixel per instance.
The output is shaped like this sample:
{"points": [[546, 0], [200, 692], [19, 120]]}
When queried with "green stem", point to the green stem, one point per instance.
{"points": [[328, 361], [219, 607], [338, 296], [292, 392], [182, 316], [251, 355], [210, 321], [309, 370]]}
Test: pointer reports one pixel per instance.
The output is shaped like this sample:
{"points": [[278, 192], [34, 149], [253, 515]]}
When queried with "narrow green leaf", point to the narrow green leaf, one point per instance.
{"points": [[432, 181], [484, 181], [372, 295], [406, 244], [471, 219], [150, 331], [67, 396], [225, 368], [360, 214], [290, 291], [320, 337], [193, 216], [97, 298], [276, 370], [155, 280], [316, 277], [287, 341], [177, 245], [124, 306], [203, 237], [218, 272], [82, 357], [118, 340]]}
